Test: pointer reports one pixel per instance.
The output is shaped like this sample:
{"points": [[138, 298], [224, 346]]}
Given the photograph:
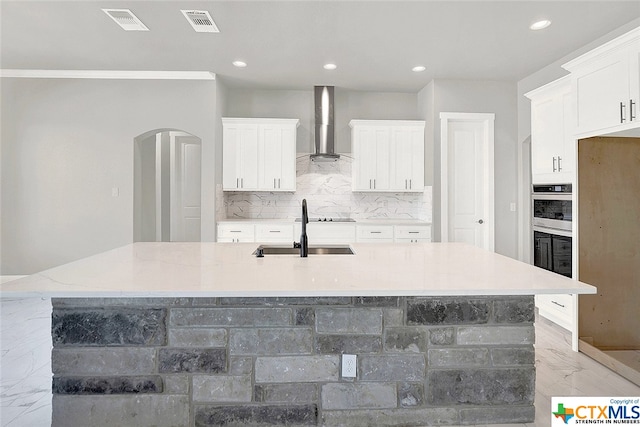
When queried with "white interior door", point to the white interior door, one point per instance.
{"points": [[467, 198], [185, 218]]}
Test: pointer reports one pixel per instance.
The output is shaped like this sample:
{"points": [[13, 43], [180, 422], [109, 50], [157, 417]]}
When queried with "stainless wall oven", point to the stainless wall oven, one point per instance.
{"points": [[552, 227]]}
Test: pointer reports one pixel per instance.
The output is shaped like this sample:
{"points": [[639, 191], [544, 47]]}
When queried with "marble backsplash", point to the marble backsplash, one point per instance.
{"points": [[327, 188]]}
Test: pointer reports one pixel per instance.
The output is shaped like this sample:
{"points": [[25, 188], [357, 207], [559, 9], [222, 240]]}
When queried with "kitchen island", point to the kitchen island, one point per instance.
{"points": [[207, 334]]}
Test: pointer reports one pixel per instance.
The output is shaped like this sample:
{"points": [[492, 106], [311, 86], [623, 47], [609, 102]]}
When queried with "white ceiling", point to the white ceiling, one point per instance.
{"points": [[285, 43]]}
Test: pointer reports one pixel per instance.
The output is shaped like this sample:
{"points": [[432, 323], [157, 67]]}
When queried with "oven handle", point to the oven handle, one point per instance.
{"points": [[551, 196], [554, 231]]}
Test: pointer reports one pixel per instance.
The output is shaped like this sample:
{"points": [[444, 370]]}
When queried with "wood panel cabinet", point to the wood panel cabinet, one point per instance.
{"points": [[606, 87], [552, 133], [388, 155], [259, 154]]}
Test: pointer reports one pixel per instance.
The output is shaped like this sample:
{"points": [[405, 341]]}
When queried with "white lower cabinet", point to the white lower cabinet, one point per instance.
{"points": [[375, 233], [330, 234], [233, 232], [274, 233], [412, 233], [560, 309], [322, 233]]}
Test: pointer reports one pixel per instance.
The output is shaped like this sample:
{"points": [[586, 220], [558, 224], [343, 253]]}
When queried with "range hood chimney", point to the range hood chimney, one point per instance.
{"points": [[324, 125]]}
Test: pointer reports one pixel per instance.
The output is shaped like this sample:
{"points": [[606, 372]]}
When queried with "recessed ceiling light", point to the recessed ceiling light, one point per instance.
{"points": [[239, 64], [539, 25], [330, 66], [418, 68]]}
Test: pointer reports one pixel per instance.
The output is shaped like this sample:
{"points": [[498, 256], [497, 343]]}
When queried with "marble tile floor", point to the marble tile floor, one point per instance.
{"points": [[25, 371]]}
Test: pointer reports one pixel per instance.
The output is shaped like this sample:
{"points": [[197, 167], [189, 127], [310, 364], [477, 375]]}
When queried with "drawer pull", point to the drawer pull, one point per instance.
{"points": [[375, 232], [557, 303], [414, 232], [235, 231], [274, 231]]}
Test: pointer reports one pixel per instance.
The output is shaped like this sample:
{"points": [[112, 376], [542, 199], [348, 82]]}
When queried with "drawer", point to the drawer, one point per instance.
{"points": [[327, 233], [413, 232], [557, 308], [274, 233], [374, 232], [236, 231]]}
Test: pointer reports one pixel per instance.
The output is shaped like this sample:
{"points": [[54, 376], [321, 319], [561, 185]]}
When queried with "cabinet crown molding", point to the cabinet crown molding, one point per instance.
{"points": [[622, 41], [550, 87]]}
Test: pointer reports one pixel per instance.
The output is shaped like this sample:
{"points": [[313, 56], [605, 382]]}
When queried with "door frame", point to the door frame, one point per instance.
{"points": [[487, 120]]}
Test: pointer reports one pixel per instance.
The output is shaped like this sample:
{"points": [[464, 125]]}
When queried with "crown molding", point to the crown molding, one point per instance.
{"points": [[108, 74]]}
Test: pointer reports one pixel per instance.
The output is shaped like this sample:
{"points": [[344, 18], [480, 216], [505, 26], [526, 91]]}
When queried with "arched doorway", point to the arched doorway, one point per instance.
{"points": [[167, 166]]}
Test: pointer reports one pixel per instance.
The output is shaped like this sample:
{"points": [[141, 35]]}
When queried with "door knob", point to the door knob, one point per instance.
{"points": [[480, 221]]}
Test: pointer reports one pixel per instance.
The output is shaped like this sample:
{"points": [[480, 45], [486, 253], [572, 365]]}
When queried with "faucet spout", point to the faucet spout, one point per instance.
{"points": [[304, 242]]}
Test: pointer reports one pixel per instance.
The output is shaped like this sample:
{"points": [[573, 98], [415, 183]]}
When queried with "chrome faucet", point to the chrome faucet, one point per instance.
{"points": [[304, 242]]}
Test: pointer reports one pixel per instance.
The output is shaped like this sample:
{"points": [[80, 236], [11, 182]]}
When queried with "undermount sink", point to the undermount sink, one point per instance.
{"points": [[313, 250]]}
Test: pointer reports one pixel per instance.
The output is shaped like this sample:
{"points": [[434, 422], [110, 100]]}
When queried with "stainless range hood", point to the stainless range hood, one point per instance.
{"points": [[324, 125]]}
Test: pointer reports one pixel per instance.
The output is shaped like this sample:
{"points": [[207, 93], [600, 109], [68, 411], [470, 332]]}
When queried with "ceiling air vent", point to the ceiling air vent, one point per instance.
{"points": [[126, 19], [201, 21]]}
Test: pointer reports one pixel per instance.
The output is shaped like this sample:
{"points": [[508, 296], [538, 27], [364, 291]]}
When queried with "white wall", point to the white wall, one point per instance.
{"points": [[468, 96], [66, 143], [297, 104]]}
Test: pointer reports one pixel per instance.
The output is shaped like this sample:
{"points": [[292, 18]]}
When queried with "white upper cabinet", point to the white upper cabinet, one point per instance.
{"points": [[606, 87], [259, 154], [388, 155], [552, 134]]}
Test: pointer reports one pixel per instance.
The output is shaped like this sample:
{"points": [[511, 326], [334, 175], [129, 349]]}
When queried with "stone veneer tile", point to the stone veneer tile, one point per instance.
{"points": [[514, 310], [297, 369], [376, 301], [359, 396], [230, 317], [392, 317], [99, 303], [467, 357], [270, 341], [513, 356], [205, 360], [159, 410], [410, 395], [108, 327], [405, 340], [240, 365], [103, 361], [221, 415], [222, 388], [305, 316], [390, 417], [405, 367], [512, 414], [286, 393], [197, 337], [362, 321], [447, 311], [496, 335], [442, 336], [176, 384], [481, 386], [347, 344], [107, 385], [285, 301]]}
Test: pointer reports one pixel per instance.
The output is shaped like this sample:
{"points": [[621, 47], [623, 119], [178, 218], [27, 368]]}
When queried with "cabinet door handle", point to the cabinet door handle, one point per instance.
{"points": [[559, 164], [554, 164], [631, 104], [278, 182], [374, 184], [557, 303], [274, 183], [405, 184], [242, 182], [237, 182], [410, 185], [622, 107], [370, 184]]}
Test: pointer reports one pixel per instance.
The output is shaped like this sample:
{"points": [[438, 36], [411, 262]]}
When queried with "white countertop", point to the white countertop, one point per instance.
{"points": [[229, 269], [376, 221]]}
